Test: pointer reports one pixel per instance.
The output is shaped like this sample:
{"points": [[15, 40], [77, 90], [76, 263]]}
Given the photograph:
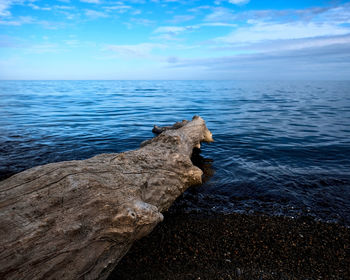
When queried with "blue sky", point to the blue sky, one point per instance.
{"points": [[170, 39]]}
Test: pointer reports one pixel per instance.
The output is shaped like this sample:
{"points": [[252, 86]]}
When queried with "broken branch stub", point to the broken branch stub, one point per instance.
{"points": [[77, 219]]}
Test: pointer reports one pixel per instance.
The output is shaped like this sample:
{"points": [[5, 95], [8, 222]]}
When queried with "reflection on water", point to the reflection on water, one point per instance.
{"points": [[205, 164], [280, 147]]}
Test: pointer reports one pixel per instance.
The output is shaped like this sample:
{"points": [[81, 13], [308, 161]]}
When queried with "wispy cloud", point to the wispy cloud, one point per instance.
{"points": [[172, 30], [142, 21], [219, 24], [132, 51], [219, 35], [4, 7], [63, 7], [138, 21], [278, 43], [284, 45], [36, 7], [259, 31], [170, 33], [91, 1], [238, 2], [235, 2], [18, 21], [327, 62], [95, 14], [286, 29], [181, 18], [331, 14], [199, 8], [121, 8], [220, 14]]}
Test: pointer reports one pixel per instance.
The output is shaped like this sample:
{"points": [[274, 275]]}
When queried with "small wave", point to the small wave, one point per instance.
{"points": [[280, 147]]}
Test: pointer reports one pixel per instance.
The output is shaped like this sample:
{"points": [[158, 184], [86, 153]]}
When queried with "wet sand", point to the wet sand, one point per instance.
{"points": [[236, 246]]}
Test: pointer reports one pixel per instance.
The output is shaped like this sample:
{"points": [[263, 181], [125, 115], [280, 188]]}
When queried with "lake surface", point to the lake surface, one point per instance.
{"points": [[281, 148]]}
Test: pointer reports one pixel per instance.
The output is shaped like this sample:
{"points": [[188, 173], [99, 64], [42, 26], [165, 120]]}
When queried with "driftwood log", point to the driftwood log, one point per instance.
{"points": [[77, 219]]}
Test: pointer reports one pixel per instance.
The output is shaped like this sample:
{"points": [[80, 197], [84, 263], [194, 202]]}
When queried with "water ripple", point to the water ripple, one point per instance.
{"points": [[281, 148]]}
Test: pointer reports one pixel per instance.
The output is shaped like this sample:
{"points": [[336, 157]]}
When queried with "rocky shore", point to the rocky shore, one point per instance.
{"points": [[237, 246]]}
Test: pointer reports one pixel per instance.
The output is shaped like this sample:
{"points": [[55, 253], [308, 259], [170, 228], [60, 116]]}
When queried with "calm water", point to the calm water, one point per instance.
{"points": [[281, 148]]}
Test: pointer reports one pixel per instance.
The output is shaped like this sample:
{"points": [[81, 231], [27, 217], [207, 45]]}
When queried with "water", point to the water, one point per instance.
{"points": [[281, 148]]}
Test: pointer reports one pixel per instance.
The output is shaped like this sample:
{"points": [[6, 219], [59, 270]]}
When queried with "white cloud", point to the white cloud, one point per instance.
{"points": [[166, 37], [91, 1], [136, 12], [181, 18], [335, 15], [284, 45], [36, 7], [141, 21], [238, 2], [95, 14], [318, 63], [132, 51], [313, 43], [218, 24], [170, 29], [119, 8], [61, 7], [4, 7], [220, 14], [170, 33], [260, 31], [175, 30], [199, 8], [18, 22]]}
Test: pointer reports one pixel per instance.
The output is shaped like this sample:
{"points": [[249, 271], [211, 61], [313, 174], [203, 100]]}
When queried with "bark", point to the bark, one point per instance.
{"points": [[77, 219]]}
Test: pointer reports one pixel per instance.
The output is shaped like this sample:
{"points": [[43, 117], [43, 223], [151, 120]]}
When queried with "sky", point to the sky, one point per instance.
{"points": [[174, 40]]}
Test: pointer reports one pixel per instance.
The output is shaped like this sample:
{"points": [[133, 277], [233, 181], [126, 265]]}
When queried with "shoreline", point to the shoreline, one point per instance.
{"points": [[238, 246]]}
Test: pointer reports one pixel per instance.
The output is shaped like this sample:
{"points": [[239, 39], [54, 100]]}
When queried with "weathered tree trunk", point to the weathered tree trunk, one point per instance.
{"points": [[76, 219]]}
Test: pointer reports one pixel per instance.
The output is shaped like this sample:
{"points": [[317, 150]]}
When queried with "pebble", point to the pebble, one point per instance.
{"points": [[260, 247], [238, 272]]}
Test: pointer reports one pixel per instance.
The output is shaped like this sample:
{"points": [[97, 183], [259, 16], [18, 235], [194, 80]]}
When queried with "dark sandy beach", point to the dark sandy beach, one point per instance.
{"points": [[237, 246]]}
